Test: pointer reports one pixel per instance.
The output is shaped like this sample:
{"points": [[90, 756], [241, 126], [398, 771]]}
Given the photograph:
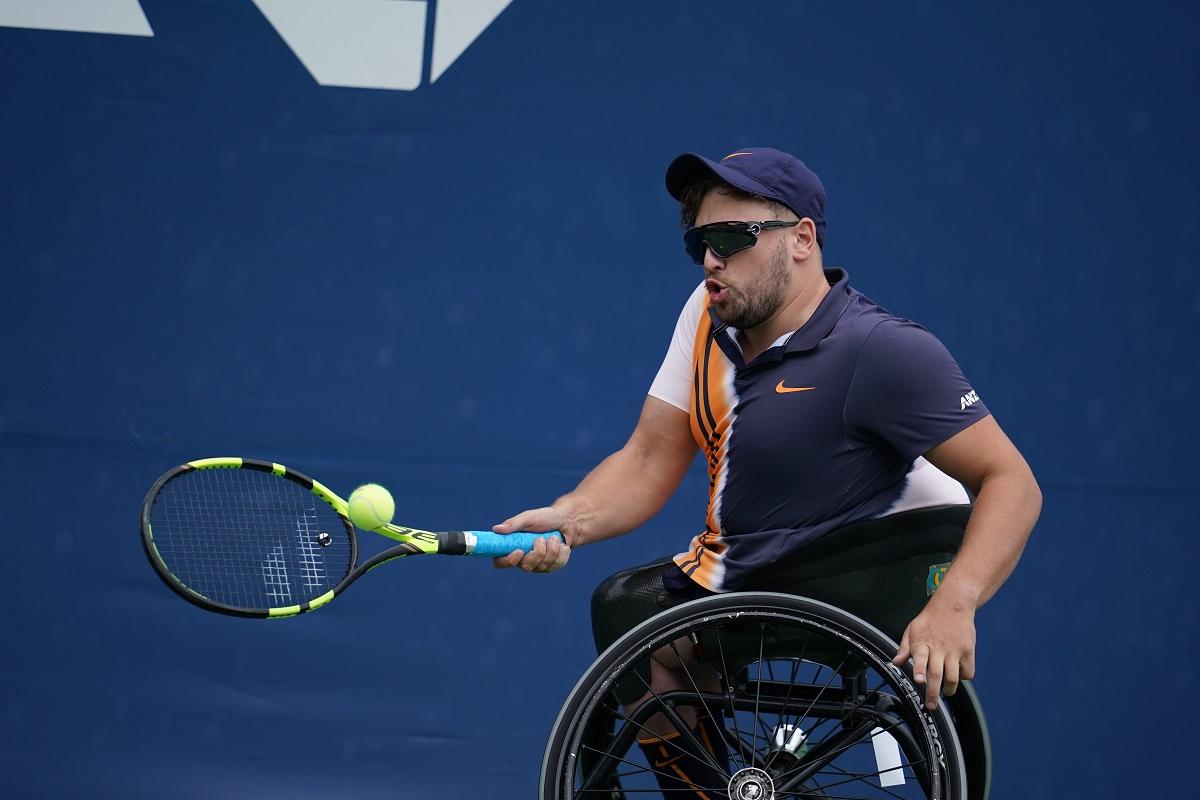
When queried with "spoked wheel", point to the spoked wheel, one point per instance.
{"points": [[804, 696]]}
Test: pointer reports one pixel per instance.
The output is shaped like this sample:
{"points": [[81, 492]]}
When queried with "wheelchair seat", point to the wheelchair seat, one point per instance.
{"points": [[883, 570]]}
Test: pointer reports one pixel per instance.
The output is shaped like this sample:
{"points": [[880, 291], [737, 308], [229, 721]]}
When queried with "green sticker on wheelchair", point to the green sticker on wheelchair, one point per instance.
{"points": [[936, 573]]}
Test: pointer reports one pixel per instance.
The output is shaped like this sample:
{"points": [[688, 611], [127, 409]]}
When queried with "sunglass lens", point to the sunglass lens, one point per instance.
{"points": [[723, 241], [726, 243], [693, 242]]}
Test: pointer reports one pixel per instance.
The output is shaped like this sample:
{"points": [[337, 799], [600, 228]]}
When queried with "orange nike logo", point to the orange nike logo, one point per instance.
{"points": [[667, 762], [781, 389]]}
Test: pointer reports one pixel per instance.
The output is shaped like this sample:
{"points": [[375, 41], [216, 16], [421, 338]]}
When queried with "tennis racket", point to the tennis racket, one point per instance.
{"points": [[257, 539]]}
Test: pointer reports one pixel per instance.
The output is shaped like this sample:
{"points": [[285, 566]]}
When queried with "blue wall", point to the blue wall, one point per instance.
{"points": [[463, 292]]}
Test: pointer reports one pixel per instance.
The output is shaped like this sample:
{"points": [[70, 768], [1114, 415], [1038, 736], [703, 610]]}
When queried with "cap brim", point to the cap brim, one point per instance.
{"points": [[687, 168]]}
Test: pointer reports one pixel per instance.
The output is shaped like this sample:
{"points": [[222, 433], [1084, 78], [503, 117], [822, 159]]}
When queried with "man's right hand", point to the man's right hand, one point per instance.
{"points": [[548, 554]]}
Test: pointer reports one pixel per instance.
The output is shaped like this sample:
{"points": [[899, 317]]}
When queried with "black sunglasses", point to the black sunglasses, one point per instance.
{"points": [[727, 238]]}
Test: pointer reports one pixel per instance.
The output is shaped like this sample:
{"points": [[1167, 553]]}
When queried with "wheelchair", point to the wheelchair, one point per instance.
{"points": [[799, 685]]}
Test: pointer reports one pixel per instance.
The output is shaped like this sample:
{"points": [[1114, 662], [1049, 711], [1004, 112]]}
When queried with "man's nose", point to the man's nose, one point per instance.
{"points": [[712, 261]]}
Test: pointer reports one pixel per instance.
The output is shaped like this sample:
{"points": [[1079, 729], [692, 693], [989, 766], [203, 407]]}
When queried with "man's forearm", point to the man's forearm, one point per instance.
{"points": [[621, 493], [1006, 508]]}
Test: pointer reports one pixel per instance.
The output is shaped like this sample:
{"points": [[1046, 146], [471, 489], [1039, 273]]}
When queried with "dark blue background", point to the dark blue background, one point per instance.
{"points": [[463, 292]]}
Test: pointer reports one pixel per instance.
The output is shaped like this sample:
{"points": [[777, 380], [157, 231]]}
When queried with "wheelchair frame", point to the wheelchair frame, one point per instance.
{"points": [[592, 735]]}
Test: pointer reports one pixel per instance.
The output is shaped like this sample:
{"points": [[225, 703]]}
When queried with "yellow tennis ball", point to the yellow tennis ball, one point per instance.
{"points": [[371, 507]]}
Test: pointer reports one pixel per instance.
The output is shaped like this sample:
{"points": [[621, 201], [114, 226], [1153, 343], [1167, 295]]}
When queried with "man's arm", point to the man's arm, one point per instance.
{"points": [[624, 491], [941, 639]]}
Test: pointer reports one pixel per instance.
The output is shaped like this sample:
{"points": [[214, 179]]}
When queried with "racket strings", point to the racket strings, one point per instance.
{"points": [[249, 539]]}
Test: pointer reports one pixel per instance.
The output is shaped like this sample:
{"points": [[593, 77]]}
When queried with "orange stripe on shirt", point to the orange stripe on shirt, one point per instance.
{"points": [[711, 423]]}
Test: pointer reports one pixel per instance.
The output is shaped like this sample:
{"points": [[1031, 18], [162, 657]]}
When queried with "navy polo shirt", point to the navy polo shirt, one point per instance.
{"points": [[819, 431]]}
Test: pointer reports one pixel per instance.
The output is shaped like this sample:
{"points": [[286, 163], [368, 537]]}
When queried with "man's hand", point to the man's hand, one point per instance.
{"points": [[548, 554], [941, 643]]}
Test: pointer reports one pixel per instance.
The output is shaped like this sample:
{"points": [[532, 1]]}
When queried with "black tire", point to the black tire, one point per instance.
{"points": [[839, 668], [973, 738]]}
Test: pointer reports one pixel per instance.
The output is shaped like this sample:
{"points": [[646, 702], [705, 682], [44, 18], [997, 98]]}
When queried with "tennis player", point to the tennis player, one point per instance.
{"points": [[814, 408]]}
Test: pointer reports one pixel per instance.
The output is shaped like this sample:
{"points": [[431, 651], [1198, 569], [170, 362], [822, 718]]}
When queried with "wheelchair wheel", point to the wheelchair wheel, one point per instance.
{"points": [[804, 694]]}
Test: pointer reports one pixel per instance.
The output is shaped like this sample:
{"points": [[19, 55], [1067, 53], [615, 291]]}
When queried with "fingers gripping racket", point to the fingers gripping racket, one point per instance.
{"points": [[256, 539]]}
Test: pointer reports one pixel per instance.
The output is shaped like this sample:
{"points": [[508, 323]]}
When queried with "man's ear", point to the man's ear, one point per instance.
{"points": [[804, 239]]}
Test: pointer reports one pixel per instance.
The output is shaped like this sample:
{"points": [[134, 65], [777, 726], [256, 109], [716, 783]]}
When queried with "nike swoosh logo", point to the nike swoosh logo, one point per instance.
{"points": [[668, 762], [781, 389]]}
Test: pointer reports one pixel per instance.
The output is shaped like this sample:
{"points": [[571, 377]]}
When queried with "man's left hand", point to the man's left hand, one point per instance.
{"points": [[941, 643]]}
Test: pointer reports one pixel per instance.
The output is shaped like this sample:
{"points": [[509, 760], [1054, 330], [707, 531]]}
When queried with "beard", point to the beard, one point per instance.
{"points": [[759, 299]]}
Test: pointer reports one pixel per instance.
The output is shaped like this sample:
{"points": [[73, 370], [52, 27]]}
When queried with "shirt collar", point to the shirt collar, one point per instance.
{"points": [[810, 334]]}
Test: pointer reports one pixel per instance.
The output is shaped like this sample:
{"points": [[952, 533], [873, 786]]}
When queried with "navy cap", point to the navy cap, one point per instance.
{"points": [[762, 171]]}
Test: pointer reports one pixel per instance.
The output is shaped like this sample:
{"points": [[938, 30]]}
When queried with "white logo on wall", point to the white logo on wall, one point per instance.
{"points": [[367, 44]]}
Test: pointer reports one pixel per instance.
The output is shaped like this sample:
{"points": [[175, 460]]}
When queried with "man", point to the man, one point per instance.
{"points": [[815, 409]]}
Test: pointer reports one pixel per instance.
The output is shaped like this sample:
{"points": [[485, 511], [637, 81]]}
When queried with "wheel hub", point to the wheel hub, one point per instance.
{"points": [[751, 784]]}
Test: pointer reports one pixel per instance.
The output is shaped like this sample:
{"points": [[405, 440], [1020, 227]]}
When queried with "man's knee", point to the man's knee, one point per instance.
{"points": [[623, 600]]}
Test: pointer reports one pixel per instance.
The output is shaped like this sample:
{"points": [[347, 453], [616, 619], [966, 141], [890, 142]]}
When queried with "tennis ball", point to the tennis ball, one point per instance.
{"points": [[371, 507]]}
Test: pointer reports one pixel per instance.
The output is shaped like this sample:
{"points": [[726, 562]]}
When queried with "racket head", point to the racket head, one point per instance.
{"points": [[248, 538]]}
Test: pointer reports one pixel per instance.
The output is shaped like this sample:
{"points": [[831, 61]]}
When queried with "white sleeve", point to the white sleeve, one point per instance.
{"points": [[673, 383]]}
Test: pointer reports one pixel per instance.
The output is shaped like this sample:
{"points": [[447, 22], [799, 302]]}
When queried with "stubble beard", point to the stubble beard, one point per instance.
{"points": [[761, 298]]}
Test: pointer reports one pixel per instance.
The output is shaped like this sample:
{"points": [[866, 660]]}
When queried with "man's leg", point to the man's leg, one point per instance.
{"points": [[692, 763]]}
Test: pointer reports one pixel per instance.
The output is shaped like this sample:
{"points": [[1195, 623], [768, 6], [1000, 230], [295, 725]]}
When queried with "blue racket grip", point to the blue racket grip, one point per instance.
{"points": [[501, 544]]}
